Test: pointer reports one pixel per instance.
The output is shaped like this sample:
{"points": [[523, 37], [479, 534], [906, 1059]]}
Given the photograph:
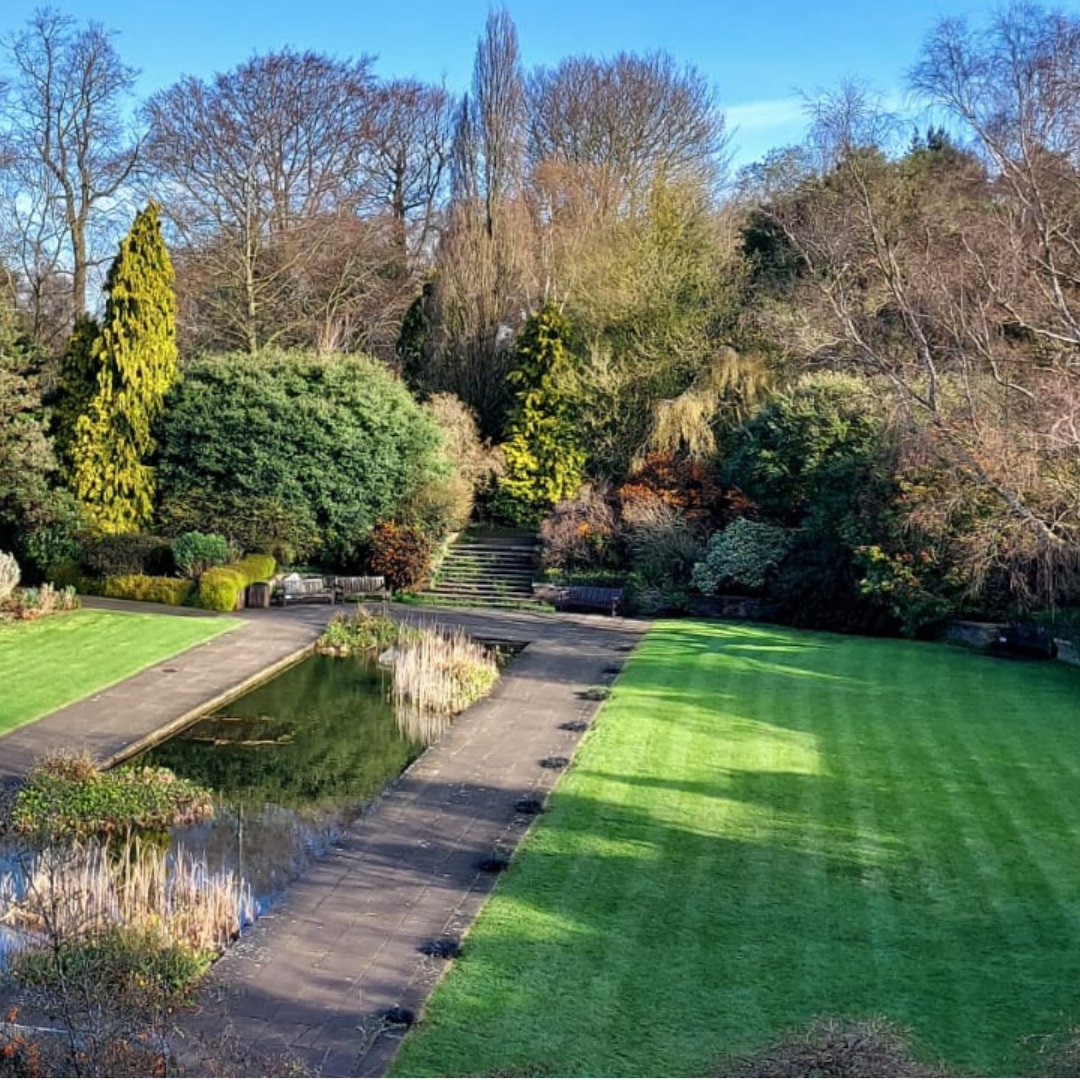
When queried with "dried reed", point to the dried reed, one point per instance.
{"points": [[76, 891], [441, 671]]}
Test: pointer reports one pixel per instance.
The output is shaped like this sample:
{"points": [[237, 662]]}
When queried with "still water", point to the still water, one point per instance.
{"points": [[290, 764]]}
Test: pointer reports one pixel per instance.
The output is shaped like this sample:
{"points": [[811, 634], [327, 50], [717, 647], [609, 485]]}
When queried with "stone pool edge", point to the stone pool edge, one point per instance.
{"points": [[211, 705]]}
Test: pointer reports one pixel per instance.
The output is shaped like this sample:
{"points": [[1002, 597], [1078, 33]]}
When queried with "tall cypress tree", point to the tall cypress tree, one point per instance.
{"points": [[544, 459], [136, 360]]}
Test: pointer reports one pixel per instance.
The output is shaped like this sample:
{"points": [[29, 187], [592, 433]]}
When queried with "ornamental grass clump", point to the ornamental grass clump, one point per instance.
{"points": [[442, 671], [68, 796], [105, 934]]}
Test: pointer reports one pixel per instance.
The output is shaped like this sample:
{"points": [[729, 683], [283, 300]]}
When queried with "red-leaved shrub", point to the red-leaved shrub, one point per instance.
{"points": [[401, 554]]}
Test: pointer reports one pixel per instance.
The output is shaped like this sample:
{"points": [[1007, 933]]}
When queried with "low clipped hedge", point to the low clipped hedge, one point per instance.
{"points": [[220, 588], [154, 590]]}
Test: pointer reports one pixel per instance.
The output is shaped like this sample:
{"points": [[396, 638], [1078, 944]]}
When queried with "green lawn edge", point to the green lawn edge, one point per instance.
{"points": [[198, 631], [766, 826]]}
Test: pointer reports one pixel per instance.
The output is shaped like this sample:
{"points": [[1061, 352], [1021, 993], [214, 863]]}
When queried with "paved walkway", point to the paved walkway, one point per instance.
{"points": [[128, 716], [314, 978]]}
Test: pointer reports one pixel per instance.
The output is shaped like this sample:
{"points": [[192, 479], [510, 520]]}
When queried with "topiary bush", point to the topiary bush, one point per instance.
{"points": [[196, 552], [220, 589], [333, 444], [744, 556], [177, 592], [401, 554]]}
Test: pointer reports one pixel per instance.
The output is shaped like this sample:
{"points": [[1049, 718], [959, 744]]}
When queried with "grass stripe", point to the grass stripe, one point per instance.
{"points": [[767, 826]]}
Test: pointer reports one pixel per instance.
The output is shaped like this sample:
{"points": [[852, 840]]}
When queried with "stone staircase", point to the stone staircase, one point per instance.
{"points": [[487, 571]]}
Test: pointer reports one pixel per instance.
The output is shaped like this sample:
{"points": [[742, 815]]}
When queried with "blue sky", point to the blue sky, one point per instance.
{"points": [[758, 53]]}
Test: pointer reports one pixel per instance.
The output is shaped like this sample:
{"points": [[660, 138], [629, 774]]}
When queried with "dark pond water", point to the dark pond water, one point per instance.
{"points": [[291, 763]]}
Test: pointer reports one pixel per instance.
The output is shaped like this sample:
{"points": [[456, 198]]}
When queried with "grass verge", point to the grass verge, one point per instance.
{"points": [[769, 826]]}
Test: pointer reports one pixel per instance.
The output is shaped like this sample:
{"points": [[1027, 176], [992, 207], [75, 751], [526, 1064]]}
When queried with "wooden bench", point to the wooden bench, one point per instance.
{"points": [[360, 588], [591, 597], [309, 589], [1024, 641]]}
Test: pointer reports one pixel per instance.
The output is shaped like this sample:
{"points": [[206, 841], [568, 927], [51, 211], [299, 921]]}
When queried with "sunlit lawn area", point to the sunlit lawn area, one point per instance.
{"points": [[54, 661], [768, 826]]}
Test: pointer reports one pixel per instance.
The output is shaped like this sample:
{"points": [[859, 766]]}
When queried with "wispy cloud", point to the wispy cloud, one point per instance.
{"points": [[763, 115]]}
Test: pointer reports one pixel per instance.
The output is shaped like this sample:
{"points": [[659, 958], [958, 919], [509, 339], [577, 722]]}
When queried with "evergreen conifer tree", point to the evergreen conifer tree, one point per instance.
{"points": [[543, 454], [136, 359], [77, 386]]}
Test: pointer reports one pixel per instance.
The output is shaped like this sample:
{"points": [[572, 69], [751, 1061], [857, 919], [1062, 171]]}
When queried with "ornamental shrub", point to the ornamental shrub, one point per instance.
{"points": [[196, 552], [220, 589], [177, 592], [804, 445], [255, 567], [67, 795], [400, 553], [581, 533], [121, 554], [685, 484], [744, 556], [331, 443], [248, 522]]}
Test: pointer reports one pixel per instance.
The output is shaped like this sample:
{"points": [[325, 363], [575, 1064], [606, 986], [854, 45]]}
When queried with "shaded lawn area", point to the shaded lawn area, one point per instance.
{"points": [[768, 826], [54, 661]]}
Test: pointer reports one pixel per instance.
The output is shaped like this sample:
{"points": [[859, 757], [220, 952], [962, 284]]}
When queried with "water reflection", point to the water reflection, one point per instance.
{"points": [[292, 763]]}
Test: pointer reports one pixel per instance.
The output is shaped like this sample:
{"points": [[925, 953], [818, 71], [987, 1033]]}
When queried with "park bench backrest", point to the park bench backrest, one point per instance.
{"points": [[371, 586], [595, 596], [305, 587]]}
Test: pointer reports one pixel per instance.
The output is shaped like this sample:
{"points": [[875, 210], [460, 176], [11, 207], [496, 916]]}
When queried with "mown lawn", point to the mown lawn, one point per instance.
{"points": [[50, 663], [768, 826]]}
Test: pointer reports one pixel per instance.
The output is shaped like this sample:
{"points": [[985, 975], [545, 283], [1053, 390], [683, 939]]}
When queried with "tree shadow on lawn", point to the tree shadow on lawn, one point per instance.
{"points": [[630, 937]]}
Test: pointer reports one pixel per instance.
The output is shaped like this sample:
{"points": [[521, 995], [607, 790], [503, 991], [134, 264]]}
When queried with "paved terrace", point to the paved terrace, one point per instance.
{"points": [[314, 978]]}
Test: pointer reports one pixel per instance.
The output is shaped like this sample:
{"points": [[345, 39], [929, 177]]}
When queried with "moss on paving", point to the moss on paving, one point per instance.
{"points": [[767, 826], [50, 663]]}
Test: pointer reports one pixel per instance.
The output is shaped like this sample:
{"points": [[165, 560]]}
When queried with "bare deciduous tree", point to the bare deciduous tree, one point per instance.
{"points": [[909, 270], [486, 267], [257, 170], [625, 121], [69, 153], [407, 160]]}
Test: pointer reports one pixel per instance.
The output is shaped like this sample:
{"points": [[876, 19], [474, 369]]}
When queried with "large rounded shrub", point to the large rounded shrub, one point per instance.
{"points": [[335, 443], [814, 441]]}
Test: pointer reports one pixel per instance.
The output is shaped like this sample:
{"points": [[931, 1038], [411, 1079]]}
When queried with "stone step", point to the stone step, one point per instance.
{"points": [[447, 571], [480, 586], [494, 552], [491, 556]]}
